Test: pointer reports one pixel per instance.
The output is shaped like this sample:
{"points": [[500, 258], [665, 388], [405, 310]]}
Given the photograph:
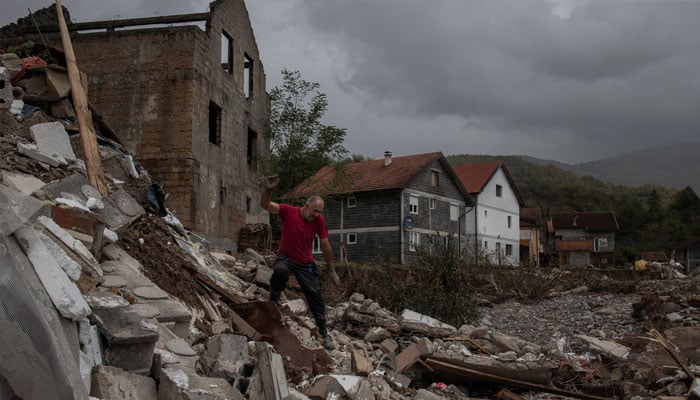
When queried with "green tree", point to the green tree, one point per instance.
{"points": [[300, 143]]}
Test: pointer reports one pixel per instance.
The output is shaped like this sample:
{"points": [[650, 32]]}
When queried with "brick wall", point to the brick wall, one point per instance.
{"points": [[154, 87]]}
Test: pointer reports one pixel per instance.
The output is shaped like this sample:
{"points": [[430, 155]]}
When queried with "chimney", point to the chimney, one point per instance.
{"points": [[387, 158]]}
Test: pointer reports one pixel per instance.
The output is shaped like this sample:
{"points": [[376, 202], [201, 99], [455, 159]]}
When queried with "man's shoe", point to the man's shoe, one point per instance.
{"points": [[328, 343]]}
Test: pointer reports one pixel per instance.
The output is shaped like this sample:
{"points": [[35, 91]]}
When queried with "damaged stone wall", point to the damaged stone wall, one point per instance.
{"points": [[156, 87]]}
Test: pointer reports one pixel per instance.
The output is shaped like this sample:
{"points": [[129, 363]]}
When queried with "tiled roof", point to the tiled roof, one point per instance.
{"points": [[688, 244], [532, 216], [578, 245], [590, 221], [475, 176], [366, 176]]}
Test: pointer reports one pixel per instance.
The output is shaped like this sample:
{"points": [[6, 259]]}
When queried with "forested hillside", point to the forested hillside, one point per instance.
{"points": [[650, 217]]}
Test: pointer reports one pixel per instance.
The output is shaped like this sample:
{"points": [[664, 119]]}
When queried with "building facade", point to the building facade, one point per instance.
{"points": [[495, 219], [188, 100], [385, 210]]}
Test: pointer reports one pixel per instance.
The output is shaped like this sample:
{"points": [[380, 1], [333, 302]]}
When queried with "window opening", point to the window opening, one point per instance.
{"points": [[499, 190], [509, 249], [435, 178], [454, 212], [510, 221], [413, 240], [352, 238], [226, 52], [413, 205], [222, 195], [352, 202], [252, 148], [214, 123], [248, 76]]}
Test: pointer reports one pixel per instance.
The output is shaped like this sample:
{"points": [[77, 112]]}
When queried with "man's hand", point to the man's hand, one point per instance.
{"points": [[334, 276], [270, 182]]}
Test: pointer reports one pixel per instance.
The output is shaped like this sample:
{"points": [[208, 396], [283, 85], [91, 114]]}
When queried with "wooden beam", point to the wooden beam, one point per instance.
{"points": [[91, 152], [122, 23]]}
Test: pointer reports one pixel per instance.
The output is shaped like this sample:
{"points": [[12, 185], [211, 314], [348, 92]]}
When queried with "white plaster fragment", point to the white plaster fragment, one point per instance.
{"points": [[178, 377]]}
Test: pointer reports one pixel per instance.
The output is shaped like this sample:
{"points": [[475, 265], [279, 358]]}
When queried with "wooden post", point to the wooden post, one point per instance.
{"points": [[87, 130]]}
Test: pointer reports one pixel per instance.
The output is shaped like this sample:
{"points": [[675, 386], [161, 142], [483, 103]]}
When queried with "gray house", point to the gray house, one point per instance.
{"points": [[382, 210], [584, 238]]}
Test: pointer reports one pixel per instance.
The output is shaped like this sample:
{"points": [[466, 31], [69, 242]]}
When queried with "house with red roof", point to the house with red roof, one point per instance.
{"points": [[383, 210], [584, 238], [494, 222]]}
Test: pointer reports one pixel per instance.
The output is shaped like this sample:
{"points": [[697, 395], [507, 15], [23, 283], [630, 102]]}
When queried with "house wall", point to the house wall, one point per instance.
{"points": [[377, 220], [492, 214], [430, 222], [532, 235], [154, 87]]}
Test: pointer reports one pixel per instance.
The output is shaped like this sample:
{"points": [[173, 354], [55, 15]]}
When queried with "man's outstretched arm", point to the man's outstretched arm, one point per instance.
{"points": [[269, 182]]}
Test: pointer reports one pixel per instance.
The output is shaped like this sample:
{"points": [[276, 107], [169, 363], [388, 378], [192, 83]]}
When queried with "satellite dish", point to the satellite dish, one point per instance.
{"points": [[409, 223]]}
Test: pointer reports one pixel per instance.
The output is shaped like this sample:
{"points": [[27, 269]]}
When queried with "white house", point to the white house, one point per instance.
{"points": [[494, 222]]}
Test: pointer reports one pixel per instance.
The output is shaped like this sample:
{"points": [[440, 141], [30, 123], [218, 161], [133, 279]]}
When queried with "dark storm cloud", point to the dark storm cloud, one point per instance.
{"points": [[611, 71], [572, 80]]}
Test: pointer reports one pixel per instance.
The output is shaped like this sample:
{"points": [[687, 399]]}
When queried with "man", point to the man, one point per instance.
{"points": [[299, 227]]}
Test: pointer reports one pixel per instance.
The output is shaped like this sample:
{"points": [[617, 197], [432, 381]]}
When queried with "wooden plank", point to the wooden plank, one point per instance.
{"points": [[91, 152]]}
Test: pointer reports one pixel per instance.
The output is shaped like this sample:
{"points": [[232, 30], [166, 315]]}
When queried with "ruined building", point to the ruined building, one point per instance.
{"points": [[186, 95]]}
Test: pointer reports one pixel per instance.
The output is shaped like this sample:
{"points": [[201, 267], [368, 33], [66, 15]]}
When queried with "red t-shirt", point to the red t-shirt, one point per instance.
{"points": [[298, 234]]}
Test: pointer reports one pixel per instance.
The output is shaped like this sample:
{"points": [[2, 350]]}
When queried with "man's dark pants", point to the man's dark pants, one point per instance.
{"points": [[308, 277]]}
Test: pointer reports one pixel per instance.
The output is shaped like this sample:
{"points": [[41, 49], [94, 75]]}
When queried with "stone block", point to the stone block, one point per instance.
{"points": [[110, 383], [120, 211], [31, 151], [16, 209], [129, 342], [228, 347], [172, 311], [23, 183], [51, 138], [177, 384]]}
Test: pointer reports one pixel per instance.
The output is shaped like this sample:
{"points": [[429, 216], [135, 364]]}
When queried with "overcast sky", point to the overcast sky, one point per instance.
{"points": [[569, 80]]}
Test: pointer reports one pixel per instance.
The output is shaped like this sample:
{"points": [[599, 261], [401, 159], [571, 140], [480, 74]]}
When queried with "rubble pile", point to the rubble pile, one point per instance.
{"points": [[103, 298]]}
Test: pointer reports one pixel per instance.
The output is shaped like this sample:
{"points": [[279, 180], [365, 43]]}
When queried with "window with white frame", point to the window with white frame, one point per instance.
{"points": [[352, 238], [413, 240], [509, 250], [352, 201], [499, 190], [316, 249], [413, 205], [454, 212], [432, 204]]}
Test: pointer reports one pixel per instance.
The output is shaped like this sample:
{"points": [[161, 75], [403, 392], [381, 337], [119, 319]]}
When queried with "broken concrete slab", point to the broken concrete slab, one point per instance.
{"points": [[172, 312], [51, 138], [38, 347], [324, 387], [180, 347], [65, 294], [120, 211], [114, 383], [16, 209], [23, 183], [361, 361], [33, 152], [272, 373], [423, 324], [612, 350], [150, 293], [105, 300], [77, 246], [177, 384]]}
